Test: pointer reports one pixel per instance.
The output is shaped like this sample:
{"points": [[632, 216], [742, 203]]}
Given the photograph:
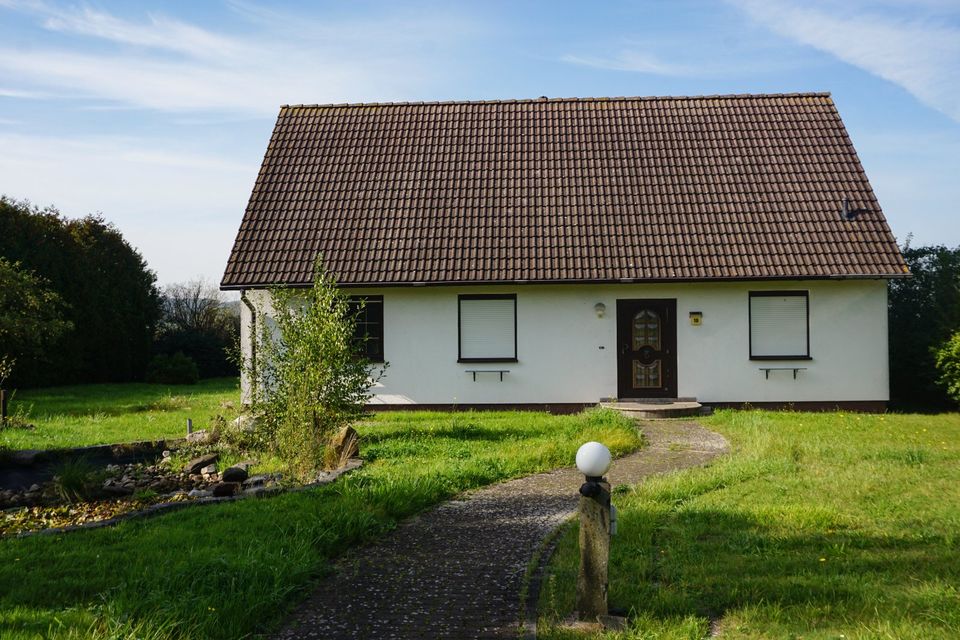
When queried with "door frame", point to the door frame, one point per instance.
{"points": [[626, 308]]}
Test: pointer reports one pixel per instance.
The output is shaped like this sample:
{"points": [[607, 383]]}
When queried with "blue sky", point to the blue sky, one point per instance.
{"points": [[156, 114]]}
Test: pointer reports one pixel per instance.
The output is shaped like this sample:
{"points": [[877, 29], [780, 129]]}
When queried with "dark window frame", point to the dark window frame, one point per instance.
{"points": [[485, 296], [377, 357], [799, 293]]}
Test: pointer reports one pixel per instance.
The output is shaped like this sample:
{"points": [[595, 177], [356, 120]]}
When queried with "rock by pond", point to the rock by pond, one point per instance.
{"points": [[234, 474], [197, 464]]}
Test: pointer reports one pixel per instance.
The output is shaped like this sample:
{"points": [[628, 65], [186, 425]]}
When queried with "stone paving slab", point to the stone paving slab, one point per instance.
{"points": [[456, 571]]}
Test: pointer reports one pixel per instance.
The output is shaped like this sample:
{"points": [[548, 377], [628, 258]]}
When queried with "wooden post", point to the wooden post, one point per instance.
{"points": [[594, 553], [3, 405], [189, 426]]}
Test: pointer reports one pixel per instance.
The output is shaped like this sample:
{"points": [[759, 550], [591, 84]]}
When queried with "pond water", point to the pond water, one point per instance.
{"points": [[20, 474]]}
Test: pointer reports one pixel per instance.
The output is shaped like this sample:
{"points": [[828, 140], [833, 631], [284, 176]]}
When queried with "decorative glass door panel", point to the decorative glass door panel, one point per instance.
{"points": [[646, 359], [646, 330], [647, 376]]}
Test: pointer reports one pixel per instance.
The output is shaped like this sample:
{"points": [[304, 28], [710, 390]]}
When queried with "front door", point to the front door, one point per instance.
{"points": [[647, 348]]}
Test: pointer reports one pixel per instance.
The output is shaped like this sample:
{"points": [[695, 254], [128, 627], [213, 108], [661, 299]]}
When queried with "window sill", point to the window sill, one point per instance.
{"points": [[474, 360], [768, 358]]}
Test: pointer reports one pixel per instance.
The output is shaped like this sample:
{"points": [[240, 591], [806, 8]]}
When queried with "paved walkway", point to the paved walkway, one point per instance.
{"points": [[456, 570]]}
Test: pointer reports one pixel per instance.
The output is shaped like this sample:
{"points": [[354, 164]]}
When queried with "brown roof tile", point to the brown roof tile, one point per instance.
{"points": [[593, 189]]}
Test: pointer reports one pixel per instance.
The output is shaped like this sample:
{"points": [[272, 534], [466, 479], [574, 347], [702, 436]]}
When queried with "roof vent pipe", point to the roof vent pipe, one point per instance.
{"points": [[847, 213]]}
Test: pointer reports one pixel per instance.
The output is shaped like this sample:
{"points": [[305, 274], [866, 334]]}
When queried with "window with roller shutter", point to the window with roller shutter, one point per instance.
{"points": [[487, 328], [779, 325]]}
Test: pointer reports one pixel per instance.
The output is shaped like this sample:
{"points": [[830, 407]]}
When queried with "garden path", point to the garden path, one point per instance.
{"points": [[457, 570]]}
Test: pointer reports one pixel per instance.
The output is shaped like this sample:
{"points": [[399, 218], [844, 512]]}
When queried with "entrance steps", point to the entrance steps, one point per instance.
{"points": [[655, 408]]}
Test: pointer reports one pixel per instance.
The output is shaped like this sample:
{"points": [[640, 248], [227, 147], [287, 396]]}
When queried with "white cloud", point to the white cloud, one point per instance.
{"points": [[159, 32], [169, 65], [260, 86], [922, 55], [19, 93]]}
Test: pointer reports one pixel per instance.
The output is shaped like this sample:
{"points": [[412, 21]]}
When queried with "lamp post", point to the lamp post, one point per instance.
{"points": [[593, 460]]}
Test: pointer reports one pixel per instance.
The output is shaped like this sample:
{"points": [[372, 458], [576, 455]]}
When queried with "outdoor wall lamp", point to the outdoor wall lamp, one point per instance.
{"points": [[601, 309], [593, 460]]}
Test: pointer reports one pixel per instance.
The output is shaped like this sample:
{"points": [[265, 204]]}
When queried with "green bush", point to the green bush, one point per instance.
{"points": [[175, 368], [308, 380], [948, 364]]}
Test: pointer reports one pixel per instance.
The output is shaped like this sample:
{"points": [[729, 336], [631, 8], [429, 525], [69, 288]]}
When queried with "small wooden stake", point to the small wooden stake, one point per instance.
{"points": [[3, 404], [189, 426], [594, 554]]}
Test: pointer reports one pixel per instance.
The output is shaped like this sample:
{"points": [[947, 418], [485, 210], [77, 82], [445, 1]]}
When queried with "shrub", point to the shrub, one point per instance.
{"points": [[309, 380], [211, 353], [948, 364], [175, 368]]}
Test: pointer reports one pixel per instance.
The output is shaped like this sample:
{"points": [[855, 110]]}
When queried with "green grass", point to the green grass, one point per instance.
{"points": [[113, 413], [226, 571], [817, 526]]}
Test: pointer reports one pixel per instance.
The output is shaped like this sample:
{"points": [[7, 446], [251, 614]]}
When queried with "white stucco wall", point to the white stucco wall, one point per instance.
{"points": [[567, 354]]}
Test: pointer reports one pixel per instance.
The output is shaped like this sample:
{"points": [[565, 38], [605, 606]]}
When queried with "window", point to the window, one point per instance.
{"points": [[368, 331], [488, 328], [779, 325]]}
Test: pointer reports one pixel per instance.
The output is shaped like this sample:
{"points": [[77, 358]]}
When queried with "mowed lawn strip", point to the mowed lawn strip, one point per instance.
{"points": [[114, 413], [229, 570], [830, 525]]}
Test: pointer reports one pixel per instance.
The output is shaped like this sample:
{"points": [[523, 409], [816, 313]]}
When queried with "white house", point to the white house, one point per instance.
{"points": [[557, 252]]}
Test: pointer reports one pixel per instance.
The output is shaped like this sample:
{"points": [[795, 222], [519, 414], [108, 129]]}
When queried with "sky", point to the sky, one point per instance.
{"points": [[156, 114]]}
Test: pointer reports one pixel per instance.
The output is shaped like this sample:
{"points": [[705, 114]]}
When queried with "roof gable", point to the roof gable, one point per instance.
{"points": [[563, 190]]}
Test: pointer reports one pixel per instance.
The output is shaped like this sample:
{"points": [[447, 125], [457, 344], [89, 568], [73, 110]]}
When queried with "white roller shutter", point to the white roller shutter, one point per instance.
{"points": [[487, 328], [778, 326]]}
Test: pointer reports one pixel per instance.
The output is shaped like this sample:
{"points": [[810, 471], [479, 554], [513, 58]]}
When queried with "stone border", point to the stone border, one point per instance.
{"points": [[166, 507]]}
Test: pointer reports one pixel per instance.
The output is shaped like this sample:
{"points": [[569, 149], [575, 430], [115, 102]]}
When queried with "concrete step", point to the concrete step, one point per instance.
{"points": [[656, 408]]}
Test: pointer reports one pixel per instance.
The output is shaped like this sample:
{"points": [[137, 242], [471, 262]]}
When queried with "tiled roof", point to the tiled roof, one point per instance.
{"points": [[559, 190]]}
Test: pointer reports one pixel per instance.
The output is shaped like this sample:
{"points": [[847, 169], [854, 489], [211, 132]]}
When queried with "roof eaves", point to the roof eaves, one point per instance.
{"points": [[520, 283]]}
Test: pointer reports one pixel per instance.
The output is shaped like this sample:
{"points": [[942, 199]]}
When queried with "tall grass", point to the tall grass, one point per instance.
{"points": [[229, 570], [76, 480], [817, 526]]}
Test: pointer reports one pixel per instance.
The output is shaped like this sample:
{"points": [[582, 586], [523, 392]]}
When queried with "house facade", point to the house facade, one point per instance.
{"points": [[561, 252]]}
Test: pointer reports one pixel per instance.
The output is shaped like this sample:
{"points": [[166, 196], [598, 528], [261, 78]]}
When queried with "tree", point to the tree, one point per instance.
{"points": [[924, 311], [198, 322], [197, 306], [309, 378], [121, 303], [109, 294], [31, 317]]}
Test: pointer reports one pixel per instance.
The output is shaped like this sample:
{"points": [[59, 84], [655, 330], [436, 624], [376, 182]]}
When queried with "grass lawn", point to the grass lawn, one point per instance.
{"points": [[229, 570], [112, 413], [817, 526]]}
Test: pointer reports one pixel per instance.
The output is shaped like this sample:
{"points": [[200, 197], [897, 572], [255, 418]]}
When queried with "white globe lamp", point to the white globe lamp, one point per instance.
{"points": [[593, 459]]}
